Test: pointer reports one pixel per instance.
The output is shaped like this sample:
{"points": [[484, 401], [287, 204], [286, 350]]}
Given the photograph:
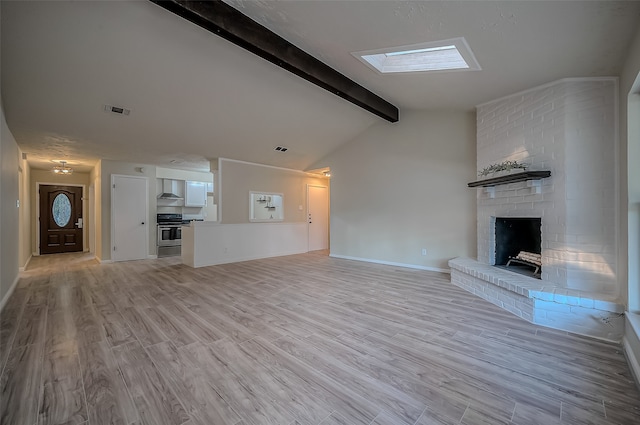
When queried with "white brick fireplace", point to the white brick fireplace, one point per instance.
{"points": [[569, 128]]}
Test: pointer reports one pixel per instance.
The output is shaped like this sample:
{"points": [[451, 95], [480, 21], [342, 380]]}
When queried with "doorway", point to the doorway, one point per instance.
{"points": [[60, 219], [318, 217], [129, 218]]}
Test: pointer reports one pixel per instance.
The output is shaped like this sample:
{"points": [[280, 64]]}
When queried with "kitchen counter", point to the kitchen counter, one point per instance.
{"points": [[207, 243]]}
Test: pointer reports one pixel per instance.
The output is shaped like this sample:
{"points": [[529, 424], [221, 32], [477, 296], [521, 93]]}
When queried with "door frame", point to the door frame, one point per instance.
{"points": [[21, 222], [111, 221], [85, 248], [92, 214], [309, 185]]}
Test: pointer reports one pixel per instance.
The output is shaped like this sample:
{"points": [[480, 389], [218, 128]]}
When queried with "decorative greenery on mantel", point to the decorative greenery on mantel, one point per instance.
{"points": [[511, 178], [503, 166]]}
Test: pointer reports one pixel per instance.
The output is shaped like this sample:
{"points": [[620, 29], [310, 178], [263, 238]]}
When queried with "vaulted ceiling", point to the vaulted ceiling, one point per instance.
{"points": [[195, 96]]}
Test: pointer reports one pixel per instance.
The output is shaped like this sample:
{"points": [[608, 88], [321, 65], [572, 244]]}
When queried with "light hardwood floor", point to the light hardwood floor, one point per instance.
{"points": [[303, 339]]}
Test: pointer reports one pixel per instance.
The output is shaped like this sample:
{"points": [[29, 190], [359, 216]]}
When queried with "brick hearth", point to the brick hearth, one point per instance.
{"points": [[581, 312]]}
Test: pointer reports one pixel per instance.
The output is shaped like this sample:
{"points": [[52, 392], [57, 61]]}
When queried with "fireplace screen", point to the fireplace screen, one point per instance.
{"points": [[520, 240]]}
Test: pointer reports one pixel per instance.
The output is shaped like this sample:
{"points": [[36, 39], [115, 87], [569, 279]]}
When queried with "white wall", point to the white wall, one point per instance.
{"points": [[9, 212], [237, 179], [398, 188], [176, 174]]}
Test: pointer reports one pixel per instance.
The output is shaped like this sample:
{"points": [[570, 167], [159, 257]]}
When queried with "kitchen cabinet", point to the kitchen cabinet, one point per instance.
{"points": [[195, 194]]}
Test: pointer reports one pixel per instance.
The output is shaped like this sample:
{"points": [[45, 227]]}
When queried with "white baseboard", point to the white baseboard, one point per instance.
{"points": [[26, 264], [152, 257], [634, 365], [633, 325], [9, 292], [391, 263]]}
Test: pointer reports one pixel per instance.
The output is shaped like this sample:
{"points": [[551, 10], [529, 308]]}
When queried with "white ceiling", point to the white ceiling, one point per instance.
{"points": [[195, 96]]}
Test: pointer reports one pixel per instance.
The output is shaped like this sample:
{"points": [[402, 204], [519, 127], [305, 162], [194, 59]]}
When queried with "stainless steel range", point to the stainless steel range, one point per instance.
{"points": [[169, 234]]}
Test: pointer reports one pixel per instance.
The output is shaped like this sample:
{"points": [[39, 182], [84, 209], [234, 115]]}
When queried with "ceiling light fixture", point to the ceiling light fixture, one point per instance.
{"points": [[63, 169], [445, 55]]}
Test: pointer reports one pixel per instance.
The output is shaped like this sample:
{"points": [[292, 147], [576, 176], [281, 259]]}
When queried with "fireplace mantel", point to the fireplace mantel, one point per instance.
{"points": [[511, 178]]}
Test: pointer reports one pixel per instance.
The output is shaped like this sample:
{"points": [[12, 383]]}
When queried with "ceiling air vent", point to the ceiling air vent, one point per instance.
{"points": [[117, 110], [281, 149]]}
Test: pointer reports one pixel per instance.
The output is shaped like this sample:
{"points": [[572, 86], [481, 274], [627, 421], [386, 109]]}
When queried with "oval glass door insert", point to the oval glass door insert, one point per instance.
{"points": [[61, 210]]}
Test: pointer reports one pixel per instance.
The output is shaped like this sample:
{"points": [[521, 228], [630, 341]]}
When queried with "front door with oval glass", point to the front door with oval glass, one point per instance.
{"points": [[60, 219]]}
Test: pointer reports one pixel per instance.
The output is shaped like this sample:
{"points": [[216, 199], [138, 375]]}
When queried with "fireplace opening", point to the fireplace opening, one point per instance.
{"points": [[519, 245]]}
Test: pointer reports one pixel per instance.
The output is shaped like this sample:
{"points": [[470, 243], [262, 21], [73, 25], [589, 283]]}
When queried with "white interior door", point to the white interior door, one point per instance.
{"points": [[129, 218], [318, 217]]}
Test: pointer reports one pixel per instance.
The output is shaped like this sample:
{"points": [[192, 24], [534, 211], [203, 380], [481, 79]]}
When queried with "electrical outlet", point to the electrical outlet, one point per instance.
{"points": [[424, 251]]}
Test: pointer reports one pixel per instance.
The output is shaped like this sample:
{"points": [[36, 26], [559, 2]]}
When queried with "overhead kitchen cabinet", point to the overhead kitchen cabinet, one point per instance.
{"points": [[195, 194]]}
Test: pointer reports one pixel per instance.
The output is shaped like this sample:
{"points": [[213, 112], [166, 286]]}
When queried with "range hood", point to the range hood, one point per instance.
{"points": [[169, 190]]}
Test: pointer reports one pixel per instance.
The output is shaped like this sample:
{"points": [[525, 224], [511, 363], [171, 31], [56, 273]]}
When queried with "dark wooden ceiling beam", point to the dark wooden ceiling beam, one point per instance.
{"points": [[230, 24]]}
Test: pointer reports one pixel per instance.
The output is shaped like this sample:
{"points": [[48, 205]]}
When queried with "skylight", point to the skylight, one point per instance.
{"points": [[445, 55]]}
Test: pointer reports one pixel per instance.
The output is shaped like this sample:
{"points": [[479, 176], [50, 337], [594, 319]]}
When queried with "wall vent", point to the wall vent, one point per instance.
{"points": [[281, 149], [117, 110]]}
